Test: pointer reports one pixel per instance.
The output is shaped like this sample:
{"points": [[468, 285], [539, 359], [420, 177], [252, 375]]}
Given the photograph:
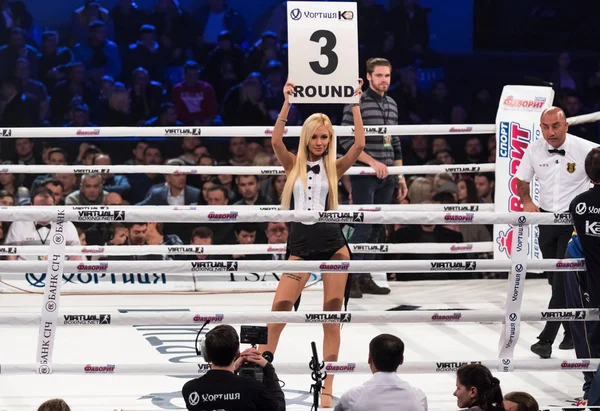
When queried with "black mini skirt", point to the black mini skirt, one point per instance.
{"points": [[319, 241]]}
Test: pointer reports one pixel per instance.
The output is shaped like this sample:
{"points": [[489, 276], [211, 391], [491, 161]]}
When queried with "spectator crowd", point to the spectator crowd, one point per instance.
{"points": [[168, 66]]}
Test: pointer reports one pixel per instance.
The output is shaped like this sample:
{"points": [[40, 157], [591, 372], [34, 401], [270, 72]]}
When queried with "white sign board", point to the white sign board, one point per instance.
{"points": [[323, 51], [517, 126]]}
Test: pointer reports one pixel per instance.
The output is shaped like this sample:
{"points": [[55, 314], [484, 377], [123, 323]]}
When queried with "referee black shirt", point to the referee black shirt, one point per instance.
{"points": [[223, 390], [585, 211]]}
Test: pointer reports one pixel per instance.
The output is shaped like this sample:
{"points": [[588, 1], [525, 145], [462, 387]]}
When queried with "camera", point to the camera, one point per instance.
{"points": [[254, 335]]}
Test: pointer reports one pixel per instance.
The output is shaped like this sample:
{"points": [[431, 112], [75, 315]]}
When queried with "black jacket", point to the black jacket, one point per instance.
{"points": [[223, 390]]}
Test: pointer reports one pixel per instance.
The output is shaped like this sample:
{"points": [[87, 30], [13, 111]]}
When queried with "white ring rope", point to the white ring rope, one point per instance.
{"points": [[238, 131], [250, 249], [113, 318], [256, 131], [299, 368], [215, 268], [194, 214], [233, 170]]}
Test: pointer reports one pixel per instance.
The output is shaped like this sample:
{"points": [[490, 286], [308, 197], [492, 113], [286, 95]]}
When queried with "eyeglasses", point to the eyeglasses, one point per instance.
{"points": [[278, 230]]}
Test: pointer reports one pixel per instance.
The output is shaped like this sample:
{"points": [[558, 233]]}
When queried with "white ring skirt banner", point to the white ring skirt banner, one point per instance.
{"points": [[234, 170], [300, 368], [250, 249], [193, 214], [113, 318]]}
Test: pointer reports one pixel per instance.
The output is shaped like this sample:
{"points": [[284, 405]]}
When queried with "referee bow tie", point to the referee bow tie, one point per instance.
{"points": [[38, 226], [315, 169], [557, 151]]}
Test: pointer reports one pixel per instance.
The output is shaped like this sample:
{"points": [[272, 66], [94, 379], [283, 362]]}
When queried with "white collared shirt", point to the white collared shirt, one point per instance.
{"points": [[313, 197], [25, 233], [561, 178], [178, 200], [385, 391]]}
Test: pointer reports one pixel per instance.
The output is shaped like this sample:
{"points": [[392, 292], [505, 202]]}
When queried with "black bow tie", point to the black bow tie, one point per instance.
{"points": [[557, 151], [38, 226], [315, 169]]}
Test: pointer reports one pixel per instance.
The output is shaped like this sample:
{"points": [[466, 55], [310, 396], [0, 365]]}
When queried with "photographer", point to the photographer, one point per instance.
{"points": [[221, 389]]}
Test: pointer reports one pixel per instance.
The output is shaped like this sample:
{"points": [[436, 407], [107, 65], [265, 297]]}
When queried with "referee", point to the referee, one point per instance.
{"points": [[557, 161]]}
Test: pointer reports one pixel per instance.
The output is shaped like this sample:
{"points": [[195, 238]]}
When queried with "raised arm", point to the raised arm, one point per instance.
{"points": [[286, 159], [344, 163]]}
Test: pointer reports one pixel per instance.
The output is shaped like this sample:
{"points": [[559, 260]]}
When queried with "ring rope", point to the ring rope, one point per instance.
{"points": [[233, 170], [299, 368], [114, 318], [212, 268], [257, 131], [192, 214], [250, 249]]}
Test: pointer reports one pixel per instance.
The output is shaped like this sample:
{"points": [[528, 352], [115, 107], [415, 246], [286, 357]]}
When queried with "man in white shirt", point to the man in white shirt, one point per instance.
{"points": [[558, 163], [385, 391], [37, 232]]}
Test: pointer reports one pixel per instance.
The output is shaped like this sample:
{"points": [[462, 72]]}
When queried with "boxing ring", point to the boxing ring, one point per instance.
{"points": [[135, 348]]}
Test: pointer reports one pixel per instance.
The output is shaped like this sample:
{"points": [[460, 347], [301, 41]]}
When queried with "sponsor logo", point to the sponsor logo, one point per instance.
{"points": [[578, 365], [592, 229], [116, 215], [454, 266], [513, 141], [269, 131], [473, 169], [230, 216], [339, 217], [94, 132], [582, 208], [296, 14], [91, 279], [456, 218], [102, 369], [334, 267], [214, 265], [517, 289], [511, 103], [217, 318], [461, 208], [8, 250], [194, 399], [280, 250], [203, 368], [565, 315], [328, 318], [270, 172], [460, 130], [446, 317], [187, 249], [183, 131], [452, 366], [91, 170], [461, 247], [93, 267], [350, 367], [562, 218], [570, 264], [369, 209], [7, 132], [373, 130], [84, 319], [97, 250], [571, 168]]}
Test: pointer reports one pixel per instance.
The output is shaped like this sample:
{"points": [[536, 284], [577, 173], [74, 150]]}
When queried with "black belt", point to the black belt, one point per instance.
{"points": [[546, 211]]}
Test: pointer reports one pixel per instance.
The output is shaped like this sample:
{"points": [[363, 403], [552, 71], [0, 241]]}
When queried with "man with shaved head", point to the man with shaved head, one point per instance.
{"points": [[558, 163]]}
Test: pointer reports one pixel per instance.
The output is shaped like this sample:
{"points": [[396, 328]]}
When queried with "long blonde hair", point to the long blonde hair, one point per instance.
{"points": [[309, 127]]}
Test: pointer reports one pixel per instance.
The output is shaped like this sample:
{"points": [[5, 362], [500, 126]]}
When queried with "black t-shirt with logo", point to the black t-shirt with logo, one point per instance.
{"points": [[585, 210], [223, 390]]}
